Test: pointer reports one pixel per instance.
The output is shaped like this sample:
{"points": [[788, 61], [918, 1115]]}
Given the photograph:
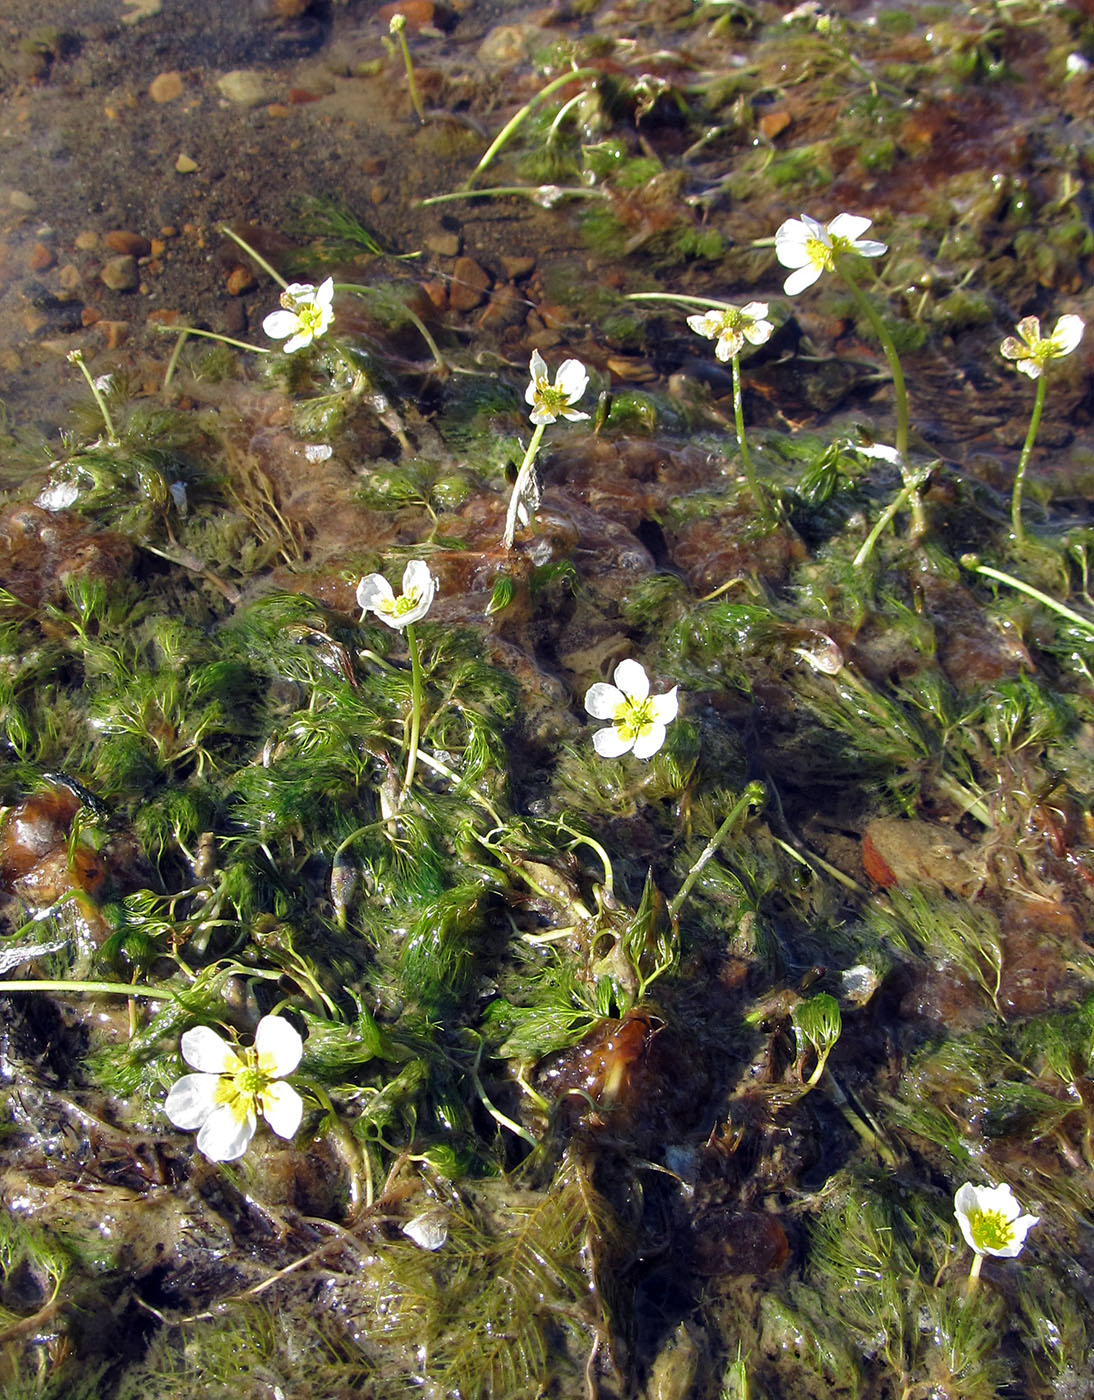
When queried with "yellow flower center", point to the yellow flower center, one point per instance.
{"points": [[405, 603], [820, 255], [549, 397], [633, 717], [310, 317], [990, 1229]]}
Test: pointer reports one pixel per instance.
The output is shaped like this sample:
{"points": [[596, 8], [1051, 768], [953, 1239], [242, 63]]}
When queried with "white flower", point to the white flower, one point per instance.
{"points": [[812, 248], [638, 718], [305, 314], [1032, 352], [234, 1086], [375, 594], [991, 1220], [550, 401], [731, 326]]}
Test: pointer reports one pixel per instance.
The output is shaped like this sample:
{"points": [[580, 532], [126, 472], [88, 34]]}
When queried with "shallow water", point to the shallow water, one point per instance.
{"points": [[677, 1062]]}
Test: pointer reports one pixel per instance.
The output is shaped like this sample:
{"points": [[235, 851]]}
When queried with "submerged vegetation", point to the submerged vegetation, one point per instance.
{"points": [[685, 1056]]}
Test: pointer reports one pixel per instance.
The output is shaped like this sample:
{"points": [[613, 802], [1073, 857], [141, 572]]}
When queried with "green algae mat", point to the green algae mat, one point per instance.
{"points": [[548, 768]]}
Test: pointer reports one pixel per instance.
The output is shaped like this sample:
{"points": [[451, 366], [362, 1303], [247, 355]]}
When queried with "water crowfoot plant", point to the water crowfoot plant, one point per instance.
{"points": [[305, 315], [375, 594], [1031, 355], [731, 327], [75, 357], [811, 248], [223, 1100], [992, 1222], [397, 27], [639, 719], [549, 402]]}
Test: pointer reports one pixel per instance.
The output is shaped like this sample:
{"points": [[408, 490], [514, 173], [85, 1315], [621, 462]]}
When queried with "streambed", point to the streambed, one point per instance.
{"points": [[621, 1076]]}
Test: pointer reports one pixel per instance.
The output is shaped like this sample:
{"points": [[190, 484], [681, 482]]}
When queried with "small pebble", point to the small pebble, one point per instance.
{"points": [[69, 277], [114, 333], [166, 87], [445, 245], [41, 258], [122, 241], [241, 279], [244, 86], [25, 203], [186, 165], [86, 240], [120, 273]]}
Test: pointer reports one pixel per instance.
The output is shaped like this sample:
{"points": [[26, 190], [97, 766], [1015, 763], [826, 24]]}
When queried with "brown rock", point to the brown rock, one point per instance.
{"points": [[166, 87], [120, 240], [241, 279], [445, 245], [470, 283], [70, 278], [772, 123], [41, 258], [120, 274], [114, 333], [516, 266], [87, 240]]}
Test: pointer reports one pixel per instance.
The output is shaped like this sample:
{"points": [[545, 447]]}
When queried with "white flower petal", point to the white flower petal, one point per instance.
{"points": [[374, 594], [798, 281], [298, 342], [1068, 333], [759, 332], [278, 1046], [279, 324], [603, 701], [537, 370], [609, 743], [203, 1049], [191, 1100], [573, 379], [542, 414], [790, 241], [849, 226], [282, 1108], [665, 708], [815, 229], [631, 678], [708, 324], [324, 294], [301, 291], [572, 415], [649, 741], [224, 1135], [754, 310]]}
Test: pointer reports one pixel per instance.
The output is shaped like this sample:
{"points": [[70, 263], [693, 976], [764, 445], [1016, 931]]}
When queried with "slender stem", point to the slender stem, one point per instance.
{"points": [[900, 391], [398, 28], [415, 706], [908, 492], [752, 796], [521, 485], [759, 495], [76, 358], [974, 1273], [263, 264], [576, 75], [361, 290], [545, 195], [184, 331], [706, 303], [1023, 463], [120, 989], [970, 561]]}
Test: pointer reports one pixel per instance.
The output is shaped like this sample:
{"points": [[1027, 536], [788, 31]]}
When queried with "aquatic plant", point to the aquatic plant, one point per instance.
{"points": [[549, 402], [639, 719], [223, 1100], [1032, 353], [306, 314], [992, 1222], [397, 27]]}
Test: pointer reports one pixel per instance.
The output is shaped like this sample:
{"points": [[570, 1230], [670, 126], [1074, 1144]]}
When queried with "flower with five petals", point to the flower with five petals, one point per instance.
{"points": [[991, 1220], [732, 326], [550, 401], [638, 719], [375, 594], [305, 314], [1033, 351], [234, 1085], [811, 248]]}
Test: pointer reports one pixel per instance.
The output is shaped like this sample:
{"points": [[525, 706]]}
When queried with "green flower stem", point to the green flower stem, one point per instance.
{"points": [[521, 485], [398, 28], [415, 706], [113, 989], [974, 1273], [759, 495], [76, 358], [909, 492], [900, 391], [263, 264], [1023, 463], [971, 562], [752, 796], [533, 192], [703, 303], [518, 118], [412, 316]]}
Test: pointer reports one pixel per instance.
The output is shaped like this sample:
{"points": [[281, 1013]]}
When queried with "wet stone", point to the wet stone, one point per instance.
{"points": [[120, 274], [120, 240], [470, 283], [166, 87]]}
